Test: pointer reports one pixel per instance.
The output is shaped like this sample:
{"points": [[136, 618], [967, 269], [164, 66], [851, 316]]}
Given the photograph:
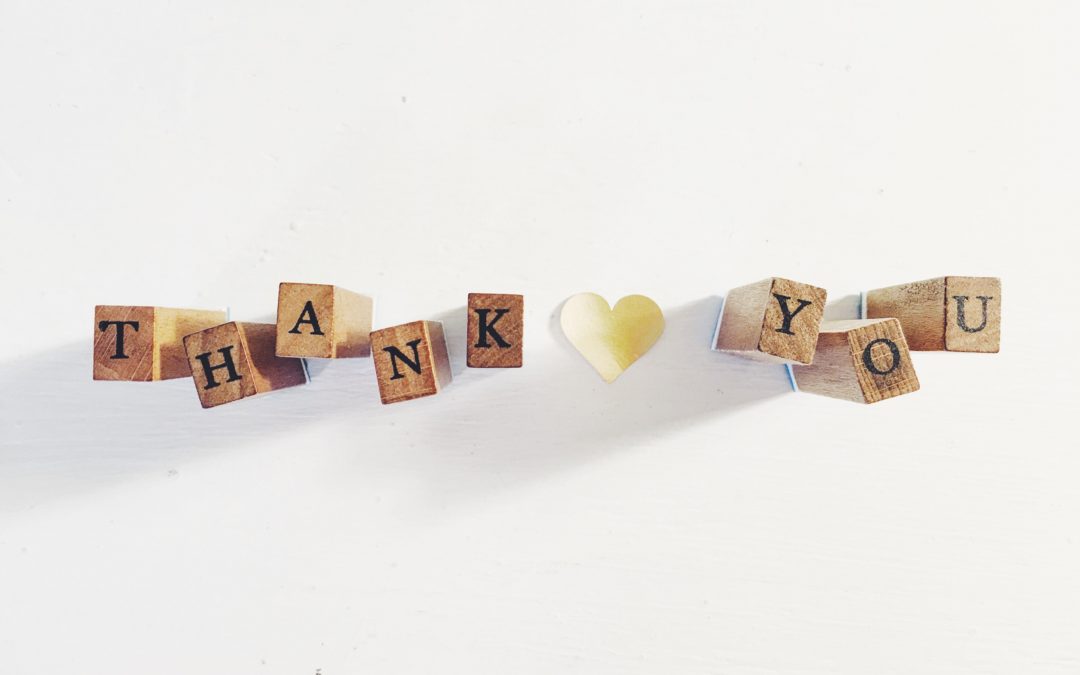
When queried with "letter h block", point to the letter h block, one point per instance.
{"points": [[956, 314], [775, 320], [859, 360], [236, 360], [496, 326], [144, 344], [410, 360], [322, 321]]}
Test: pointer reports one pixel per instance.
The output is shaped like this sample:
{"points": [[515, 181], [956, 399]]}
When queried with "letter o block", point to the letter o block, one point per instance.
{"points": [[322, 321], [410, 360], [861, 360], [145, 344], [775, 320], [956, 314], [236, 360]]}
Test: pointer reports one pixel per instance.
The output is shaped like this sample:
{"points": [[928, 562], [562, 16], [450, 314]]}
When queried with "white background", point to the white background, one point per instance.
{"points": [[693, 517]]}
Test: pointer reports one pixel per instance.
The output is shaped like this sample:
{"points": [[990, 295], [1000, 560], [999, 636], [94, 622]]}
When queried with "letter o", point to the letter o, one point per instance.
{"points": [[868, 360]]}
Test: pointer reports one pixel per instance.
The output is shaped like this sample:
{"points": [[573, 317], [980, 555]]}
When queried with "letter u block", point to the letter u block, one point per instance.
{"points": [[410, 360], [145, 343], [859, 360], [496, 326], [775, 320], [321, 321], [956, 314], [236, 360]]}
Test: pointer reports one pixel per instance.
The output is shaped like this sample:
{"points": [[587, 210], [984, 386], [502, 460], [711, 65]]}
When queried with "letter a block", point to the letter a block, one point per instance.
{"points": [[410, 360], [956, 314], [775, 320], [145, 343], [860, 360], [236, 360], [317, 320], [495, 330]]}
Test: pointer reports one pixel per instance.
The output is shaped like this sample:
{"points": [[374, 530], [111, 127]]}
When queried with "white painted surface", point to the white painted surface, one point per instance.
{"points": [[694, 517]]}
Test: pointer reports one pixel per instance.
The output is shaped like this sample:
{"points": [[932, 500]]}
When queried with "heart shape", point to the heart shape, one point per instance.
{"points": [[611, 339]]}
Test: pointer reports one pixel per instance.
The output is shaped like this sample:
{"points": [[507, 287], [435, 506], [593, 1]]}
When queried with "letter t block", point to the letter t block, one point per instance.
{"points": [[496, 326], [859, 360], [236, 360], [410, 360], [145, 343], [775, 320]]}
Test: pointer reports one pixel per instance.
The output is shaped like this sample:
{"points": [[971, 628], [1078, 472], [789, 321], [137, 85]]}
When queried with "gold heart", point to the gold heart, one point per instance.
{"points": [[611, 339]]}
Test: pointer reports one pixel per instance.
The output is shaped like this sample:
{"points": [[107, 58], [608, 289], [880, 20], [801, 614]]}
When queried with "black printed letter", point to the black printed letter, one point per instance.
{"points": [[103, 325], [309, 311], [489, 328], [961, 320], [788, 314], [395, 354], [868, 359], [226, 352]]}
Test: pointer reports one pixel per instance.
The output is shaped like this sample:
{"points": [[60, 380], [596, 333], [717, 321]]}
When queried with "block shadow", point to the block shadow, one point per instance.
{"points": [[490, 429]]}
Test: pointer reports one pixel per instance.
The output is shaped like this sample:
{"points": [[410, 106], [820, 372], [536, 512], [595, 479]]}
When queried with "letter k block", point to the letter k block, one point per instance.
{"points": [[496, 326], [410, 360], [236, 360], [775, 320]]}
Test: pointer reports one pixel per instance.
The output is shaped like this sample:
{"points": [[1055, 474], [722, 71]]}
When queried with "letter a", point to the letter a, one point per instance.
{"points": [[308, 316]]}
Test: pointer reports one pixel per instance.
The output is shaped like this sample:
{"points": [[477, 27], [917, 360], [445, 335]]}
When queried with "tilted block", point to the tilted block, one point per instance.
{"points": [[410, 360], [317, 320], [956, 314], [496, 326], [236, 360], [145, 343], [861, 360], [775, 320]]}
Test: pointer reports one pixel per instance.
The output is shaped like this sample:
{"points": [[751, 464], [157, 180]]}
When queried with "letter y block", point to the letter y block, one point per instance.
{"points": [[775, 320], [236, 360]]}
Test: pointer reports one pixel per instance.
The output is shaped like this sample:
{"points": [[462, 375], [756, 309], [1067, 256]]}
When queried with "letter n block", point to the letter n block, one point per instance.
{"points": [[236, 360], [775, 320], [410, 360], [956, 314], [145, 343], [495, 330], [321, 321], [859, 360]]}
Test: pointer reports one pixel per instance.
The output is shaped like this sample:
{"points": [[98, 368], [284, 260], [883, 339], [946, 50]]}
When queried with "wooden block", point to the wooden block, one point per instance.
{"points": [[775, 320], [496, 327], [236, 360], [410, 360], [321, 321], [145, 343], [957, 314], [861, 360]]}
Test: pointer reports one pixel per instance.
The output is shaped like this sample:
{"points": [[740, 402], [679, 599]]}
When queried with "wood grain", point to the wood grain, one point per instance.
{"points": [[754, 323], [152, 341], [861, 360], [249, 348], [929, 311], [322, 321], [411, 360], [499, 343]]}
